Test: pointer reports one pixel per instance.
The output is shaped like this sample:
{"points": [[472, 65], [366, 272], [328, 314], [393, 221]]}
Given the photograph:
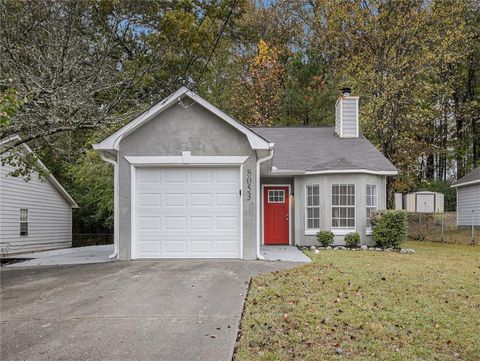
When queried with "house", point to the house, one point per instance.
{"points": [[420, 202], [192, 182], [35, 215], [468, 199]]}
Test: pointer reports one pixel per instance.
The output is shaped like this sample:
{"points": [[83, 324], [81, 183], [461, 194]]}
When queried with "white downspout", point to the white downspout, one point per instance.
{"points": [[259, 200], [115, 205]]}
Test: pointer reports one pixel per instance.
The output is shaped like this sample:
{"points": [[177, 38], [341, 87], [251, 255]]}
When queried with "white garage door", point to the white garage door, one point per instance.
{"points": [[187, 213]]}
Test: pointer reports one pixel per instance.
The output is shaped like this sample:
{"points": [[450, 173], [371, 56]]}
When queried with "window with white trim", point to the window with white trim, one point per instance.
{"points": [[276, 196], [312, 207], [23, 222], [343, 206], [371, 203]]}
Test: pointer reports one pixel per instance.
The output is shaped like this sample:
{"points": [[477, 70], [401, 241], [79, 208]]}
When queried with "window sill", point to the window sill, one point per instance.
{"points": [[311, 232], [342, 231]]}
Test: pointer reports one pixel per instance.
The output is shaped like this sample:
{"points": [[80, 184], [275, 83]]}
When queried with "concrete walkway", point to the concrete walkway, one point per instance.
{"points": [[284, 253], [66, 256]]}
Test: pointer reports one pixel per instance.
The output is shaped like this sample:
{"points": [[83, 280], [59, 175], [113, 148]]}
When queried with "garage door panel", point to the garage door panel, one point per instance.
{"points": [[152, 246], [201, 176], [149, 200], [175, 176], [175, 223], [149, 223], [175, 200], [225, 176], [226, 223], [201, 200], [189, 212], [149, 176], [226, 245], [226, 199], [200, 223], [201, 247], [175, 246]]}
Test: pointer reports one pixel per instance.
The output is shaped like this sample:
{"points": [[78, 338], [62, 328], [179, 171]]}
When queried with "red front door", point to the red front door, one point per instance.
{"points": [[275, 210]]}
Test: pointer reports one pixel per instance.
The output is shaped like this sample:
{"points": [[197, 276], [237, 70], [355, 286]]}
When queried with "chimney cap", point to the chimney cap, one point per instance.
{"points": [[346, 91]]}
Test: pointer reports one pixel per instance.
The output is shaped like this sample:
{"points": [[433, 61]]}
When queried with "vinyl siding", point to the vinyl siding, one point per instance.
{"points": [[468, 200], [349, 117], [346, 122], [338, 115], [49, 215]]}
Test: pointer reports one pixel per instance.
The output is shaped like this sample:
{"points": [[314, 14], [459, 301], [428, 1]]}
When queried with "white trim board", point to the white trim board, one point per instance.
{"points": [[262, 202], [112, 142], [185, 159]]}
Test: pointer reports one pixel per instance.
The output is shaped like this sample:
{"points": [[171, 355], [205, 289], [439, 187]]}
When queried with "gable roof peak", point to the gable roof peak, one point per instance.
{"points": [[112, 142], [53, 181]]}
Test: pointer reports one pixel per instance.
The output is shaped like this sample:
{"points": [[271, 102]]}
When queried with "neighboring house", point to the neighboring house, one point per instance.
{"points": [[192, 182], [468, 199], [35, 215]]}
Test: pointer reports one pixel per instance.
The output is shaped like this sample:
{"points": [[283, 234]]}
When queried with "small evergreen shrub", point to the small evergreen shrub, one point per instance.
{"points": [[325, 238], [389, 228], [352, 239]]}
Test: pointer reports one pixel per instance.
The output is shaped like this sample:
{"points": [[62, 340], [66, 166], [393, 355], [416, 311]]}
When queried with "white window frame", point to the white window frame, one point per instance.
{"points": [[278, 196], [23, 221], [368, 230], [341, 231], [312, 231]]}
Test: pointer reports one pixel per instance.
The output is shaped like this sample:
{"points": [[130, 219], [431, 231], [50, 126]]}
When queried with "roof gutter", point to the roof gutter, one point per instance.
{"points": [[332, 171], [115, 205], [258, 196], [464, 184]]}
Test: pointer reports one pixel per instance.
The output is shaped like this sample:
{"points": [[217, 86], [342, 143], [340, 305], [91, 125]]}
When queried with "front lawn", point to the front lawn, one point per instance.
{"points": [[368, 305]]}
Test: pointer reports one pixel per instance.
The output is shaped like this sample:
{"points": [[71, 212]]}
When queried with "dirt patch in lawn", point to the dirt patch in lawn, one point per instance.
{"points": [[368, 305]]}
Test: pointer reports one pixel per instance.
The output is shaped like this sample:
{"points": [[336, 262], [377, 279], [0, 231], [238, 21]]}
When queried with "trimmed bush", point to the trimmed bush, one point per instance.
{"points": [[325, 238], [352, 239], [389, 228]]}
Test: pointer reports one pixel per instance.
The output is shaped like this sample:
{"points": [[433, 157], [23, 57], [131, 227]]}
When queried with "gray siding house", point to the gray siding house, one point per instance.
{"points": [[35, 215], [192, 182], [468, 199]]}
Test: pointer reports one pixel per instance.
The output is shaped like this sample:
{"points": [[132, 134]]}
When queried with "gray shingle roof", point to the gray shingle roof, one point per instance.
{"points": [[320, 148], [474, 175]]}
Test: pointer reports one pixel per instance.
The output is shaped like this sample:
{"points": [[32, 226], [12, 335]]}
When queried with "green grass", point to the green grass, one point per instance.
{"points": [[373, 305]]}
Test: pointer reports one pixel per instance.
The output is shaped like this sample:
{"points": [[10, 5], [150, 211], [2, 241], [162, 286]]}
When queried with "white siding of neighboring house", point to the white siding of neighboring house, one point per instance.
{"points": [[468, 200], [50, 216]]}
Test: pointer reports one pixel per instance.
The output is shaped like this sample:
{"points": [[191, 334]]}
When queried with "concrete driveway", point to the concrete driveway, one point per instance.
{"points": [[165, 310]]}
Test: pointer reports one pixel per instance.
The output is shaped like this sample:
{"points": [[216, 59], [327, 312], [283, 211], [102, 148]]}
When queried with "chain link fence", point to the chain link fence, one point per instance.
{"points": [[442, 227], [91, 239]]}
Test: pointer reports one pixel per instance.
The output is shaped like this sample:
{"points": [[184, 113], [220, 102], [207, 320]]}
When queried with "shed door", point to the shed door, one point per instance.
{"points": [[425, 203], [187, 213]]}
